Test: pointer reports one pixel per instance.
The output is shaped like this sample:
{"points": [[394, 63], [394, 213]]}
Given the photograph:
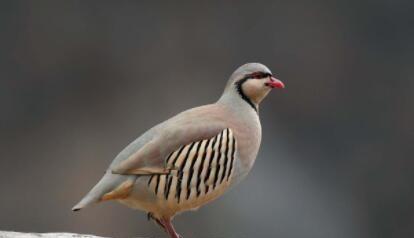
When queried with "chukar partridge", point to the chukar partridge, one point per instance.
{"points": [[193, 157]]}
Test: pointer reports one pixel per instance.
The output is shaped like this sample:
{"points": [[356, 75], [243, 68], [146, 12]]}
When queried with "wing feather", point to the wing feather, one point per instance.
{"points": [[185, 128]]}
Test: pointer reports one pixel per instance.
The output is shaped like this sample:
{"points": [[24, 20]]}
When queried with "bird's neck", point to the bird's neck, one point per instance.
{"points": [[238, 103], [247, 128]]}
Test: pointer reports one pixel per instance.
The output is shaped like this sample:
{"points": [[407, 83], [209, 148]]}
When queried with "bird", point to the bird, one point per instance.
{"points": [[192, 158]]}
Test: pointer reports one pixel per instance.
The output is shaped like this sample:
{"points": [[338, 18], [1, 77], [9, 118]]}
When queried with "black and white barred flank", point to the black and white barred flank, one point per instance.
{"points": [[200, 168]]}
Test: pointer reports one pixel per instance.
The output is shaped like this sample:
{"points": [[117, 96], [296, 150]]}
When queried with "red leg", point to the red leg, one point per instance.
{"points": [[169, 228], [158, 221]]}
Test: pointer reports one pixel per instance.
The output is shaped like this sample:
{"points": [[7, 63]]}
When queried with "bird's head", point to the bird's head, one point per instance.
{"points": [[252, 82]]}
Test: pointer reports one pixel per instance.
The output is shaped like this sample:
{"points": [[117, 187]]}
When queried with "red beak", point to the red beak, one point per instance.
{"points": [[275, 83]]}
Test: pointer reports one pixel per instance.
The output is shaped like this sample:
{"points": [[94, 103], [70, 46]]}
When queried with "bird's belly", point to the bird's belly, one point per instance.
{"points": [[201, 172], [193, 198], [165, 195], [172, 196]]}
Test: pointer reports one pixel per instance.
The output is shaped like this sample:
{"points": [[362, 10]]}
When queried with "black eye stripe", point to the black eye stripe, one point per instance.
{"points": [[258, 75]]}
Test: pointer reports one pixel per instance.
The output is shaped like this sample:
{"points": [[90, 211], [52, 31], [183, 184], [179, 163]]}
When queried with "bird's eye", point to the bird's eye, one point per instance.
{"points": [[259, 75], [256, 75]]}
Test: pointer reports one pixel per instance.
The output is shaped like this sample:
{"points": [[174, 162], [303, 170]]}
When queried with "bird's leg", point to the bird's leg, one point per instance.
{"points": [[160, 224], [158, 221], [169, 228]]}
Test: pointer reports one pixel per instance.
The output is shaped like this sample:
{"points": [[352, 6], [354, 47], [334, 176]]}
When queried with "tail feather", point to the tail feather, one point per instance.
{"points": [[107, 184]]}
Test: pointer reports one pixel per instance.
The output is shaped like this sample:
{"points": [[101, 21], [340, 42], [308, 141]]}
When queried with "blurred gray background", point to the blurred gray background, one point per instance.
{"points": [[79, 80]]}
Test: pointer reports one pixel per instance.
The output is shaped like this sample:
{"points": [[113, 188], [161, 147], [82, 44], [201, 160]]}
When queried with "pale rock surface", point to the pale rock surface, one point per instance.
{"points": [[11, 234]]}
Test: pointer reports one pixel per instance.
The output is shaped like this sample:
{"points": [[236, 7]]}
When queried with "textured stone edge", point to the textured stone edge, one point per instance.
{"points": [[12, 234]]}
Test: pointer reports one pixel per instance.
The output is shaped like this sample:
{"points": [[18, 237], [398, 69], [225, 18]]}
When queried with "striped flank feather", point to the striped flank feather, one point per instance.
{"points": [[202, 167]]}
